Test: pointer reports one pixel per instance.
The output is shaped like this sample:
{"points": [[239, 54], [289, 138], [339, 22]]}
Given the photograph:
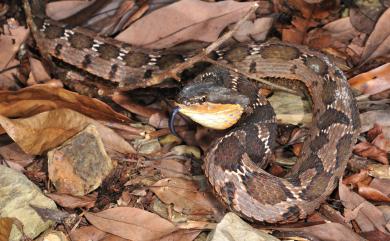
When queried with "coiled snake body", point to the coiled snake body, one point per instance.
{"points": [[232, 164]]}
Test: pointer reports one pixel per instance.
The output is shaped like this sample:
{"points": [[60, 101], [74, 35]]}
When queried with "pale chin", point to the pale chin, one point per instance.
{"points": [[215, 116]]}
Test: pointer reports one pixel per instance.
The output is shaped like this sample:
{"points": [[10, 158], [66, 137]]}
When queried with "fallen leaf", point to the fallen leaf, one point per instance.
{"points": [[369, 118], [185, 196], [369, 217], [326, 231], [356, 178], [87, 233], [379, 170], [131, 223], [375, 235], [372, 194], [49, 129], [382, 185], [256, 30], [336, 34], [174, 24], [378, 44], [366, 149], [39, 98], [5, 228], [174, 168], [127, 103], [374, 132], [11, 39], [181, 235], [38, 71], [13, 153], [364, 15], [68, 8], [341, 29], [69, 201], [382, 142], [373, 81]]}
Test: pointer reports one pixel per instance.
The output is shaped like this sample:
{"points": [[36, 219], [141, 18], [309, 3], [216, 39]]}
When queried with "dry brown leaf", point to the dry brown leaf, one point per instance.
{"points": [[382, 185], [369, 217], [341, 29], [87, 233], [364, 15], [49, 129], [10, 44], [373, 81], [38, 71], [292, 35], [375, 235], [39, 98], [378, 44], [181, 235], [326, 231], [127, 103], [379, 170], [131, 223], [382, 142], [254, 30], [372, 194], [374, 132], [174, 168], [185, 196], [90, 233], [366, 149], [356, 178], [174, 24], [380, 117], [5, 228], [68, 8], [69, 201], [13, 153]]}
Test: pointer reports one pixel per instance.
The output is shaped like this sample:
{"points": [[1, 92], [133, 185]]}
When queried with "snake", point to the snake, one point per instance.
{"points": [[225, 99]]}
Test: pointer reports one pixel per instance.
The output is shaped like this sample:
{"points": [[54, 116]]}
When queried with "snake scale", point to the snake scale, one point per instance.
{"points": [[232, 164]]}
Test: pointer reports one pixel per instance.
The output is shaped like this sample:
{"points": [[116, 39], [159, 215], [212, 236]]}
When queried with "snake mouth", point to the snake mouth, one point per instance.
{"points": [[211, 115]]}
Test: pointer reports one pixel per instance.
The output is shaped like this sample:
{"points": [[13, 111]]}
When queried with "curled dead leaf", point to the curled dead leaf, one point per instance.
{"points": [[373, 81], [372, 194], [174, 24], [366, 149], [185, 196], [131, 223], [378, 44], [39, 98], [44, 131]]}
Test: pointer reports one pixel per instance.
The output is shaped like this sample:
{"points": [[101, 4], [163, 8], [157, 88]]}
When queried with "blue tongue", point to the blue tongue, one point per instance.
{"points": [[171, 122]]}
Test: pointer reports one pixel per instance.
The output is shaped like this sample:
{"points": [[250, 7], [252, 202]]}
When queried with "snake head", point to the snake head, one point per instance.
{"points": [[209, 102]]}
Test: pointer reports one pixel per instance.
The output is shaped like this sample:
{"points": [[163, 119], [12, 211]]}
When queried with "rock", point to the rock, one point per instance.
{"points": [[233, 228], [79, 165], [17, 193]]}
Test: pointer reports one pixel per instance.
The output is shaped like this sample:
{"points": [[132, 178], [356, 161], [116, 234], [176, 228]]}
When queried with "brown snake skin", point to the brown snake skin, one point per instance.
{"points": [[229, 165]]}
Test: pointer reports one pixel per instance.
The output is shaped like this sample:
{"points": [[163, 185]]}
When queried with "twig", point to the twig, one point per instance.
{"points": [[173, 73], [203, 56], [9, 68], [253, 76]]}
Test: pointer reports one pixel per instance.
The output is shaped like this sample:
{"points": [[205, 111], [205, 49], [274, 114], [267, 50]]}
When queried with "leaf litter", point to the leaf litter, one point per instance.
{"points": [[161, 194]]}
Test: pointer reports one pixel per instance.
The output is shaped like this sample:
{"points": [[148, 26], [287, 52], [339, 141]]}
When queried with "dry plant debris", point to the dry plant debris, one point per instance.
{"points": [[153, 187]]}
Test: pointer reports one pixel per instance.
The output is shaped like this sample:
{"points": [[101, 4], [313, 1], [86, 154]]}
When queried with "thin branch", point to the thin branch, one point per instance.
{"points": [[173, 73], [252, 76]]}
